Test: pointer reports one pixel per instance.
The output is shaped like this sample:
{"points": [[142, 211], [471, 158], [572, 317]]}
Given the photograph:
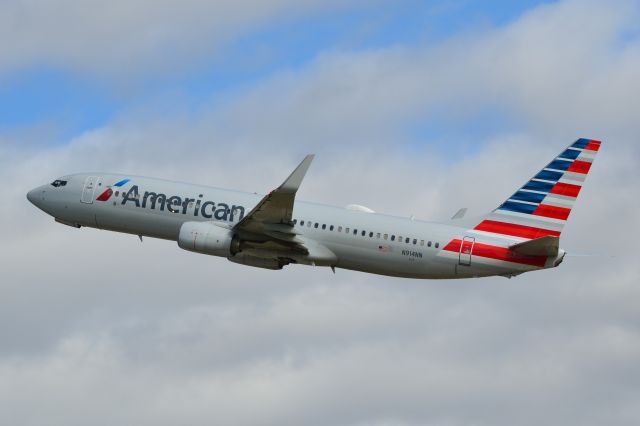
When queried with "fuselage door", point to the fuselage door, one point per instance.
{"points": [[89, 189], [466, 248]]}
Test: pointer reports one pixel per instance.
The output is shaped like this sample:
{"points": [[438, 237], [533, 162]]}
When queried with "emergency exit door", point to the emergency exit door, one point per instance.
{"points": [[89, 189]]}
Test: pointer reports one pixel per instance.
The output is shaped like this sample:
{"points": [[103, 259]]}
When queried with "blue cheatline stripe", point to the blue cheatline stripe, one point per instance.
{"points": [[122, 182], [513, 206], [549, 175], [571, 154], [534, 185], [581, 143], [531, 197], [559, 165]]}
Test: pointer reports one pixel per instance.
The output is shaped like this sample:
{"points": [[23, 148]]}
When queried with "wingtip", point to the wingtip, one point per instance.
{"points": [[295, 178]]}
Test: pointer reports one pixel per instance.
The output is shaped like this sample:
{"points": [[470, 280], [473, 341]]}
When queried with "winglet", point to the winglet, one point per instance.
{"points": [[294, 180]]}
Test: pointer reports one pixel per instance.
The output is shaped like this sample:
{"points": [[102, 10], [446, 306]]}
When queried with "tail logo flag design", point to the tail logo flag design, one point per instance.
{"points": [[541, 207], [109, 192]]}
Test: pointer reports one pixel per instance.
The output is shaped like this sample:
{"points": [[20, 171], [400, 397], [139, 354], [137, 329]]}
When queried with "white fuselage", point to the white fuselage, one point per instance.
{"points": [[361, 241]]}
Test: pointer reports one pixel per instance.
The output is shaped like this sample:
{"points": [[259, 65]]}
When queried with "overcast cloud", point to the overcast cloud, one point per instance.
{"points": [[96, 327]]}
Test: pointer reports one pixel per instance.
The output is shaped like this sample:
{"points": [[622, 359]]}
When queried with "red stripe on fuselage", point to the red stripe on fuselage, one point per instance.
{"points": [[579, 167], [512, 229], [566, 189], [498, 253], [552, 211]]}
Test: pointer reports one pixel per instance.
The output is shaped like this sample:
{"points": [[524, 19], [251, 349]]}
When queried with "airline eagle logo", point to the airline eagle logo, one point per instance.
{"points": [[109, 192]]}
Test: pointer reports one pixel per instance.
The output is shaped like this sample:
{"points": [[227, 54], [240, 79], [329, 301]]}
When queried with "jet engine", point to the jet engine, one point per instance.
{"points": [[208, 238]]}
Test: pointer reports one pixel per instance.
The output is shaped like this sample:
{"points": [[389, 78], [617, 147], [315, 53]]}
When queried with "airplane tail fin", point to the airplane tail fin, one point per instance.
{"points": [[541, 207]]}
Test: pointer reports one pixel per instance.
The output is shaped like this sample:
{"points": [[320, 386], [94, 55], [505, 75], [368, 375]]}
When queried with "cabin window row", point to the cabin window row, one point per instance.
{"points": [[371, 234]]}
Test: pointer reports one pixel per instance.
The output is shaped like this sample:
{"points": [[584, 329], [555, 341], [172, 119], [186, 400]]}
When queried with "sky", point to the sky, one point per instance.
{"points": [[412, 108]]}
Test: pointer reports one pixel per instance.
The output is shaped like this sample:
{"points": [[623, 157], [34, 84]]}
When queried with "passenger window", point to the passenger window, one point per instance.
{"points": [[331, 228], [309, 224], [364, 233], [378, 235], [295, 221], [399, 239], [429, 244], [386, 236], [324, 226], [346, 230], [355, 232], [421, 242], [316, 225], [117, 193], [302, 223], [339, 228], [415, 241], [407, 240], [370, 234], [393, 238], [437, 245]]}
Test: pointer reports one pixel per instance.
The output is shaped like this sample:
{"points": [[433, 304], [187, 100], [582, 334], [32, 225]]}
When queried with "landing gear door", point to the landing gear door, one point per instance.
{"points": [[89, 189], [466, 249]]}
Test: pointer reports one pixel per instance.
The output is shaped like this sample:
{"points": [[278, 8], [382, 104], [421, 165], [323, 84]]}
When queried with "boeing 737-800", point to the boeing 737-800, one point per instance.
{"points": [[522, 234]]}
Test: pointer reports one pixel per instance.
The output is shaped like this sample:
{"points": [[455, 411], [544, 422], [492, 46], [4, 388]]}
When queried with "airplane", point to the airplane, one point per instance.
{"points": [[522, 234]]}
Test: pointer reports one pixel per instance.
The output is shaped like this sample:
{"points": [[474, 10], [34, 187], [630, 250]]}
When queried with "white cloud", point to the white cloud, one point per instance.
{"points": [[97, 326], [132, 38], [561, 69]]}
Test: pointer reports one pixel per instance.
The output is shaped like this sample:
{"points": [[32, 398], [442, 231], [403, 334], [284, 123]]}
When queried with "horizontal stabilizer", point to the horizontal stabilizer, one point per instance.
{"points": [[459, 214], [543, 246]]}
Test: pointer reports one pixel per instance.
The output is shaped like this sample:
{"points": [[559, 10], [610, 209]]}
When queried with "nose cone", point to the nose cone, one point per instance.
{"points": [[36, 196], [31, 196]]}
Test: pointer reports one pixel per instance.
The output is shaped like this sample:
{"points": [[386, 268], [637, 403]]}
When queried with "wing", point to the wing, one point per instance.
{"points": [[275, 209], [267, 231]]}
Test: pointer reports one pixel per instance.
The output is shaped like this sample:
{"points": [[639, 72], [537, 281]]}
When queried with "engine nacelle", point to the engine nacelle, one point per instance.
{"points": [[207, 238]]}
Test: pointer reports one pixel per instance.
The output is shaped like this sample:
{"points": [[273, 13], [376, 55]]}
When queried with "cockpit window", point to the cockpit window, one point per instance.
{"points": [[57, 183]]}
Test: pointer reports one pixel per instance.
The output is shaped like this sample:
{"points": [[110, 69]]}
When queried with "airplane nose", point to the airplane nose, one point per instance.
{"points": [[31, 196], [35, 196]]}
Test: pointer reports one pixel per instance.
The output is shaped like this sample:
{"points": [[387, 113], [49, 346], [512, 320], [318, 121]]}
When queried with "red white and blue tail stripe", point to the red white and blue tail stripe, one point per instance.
{"points": [[541, 207]]}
